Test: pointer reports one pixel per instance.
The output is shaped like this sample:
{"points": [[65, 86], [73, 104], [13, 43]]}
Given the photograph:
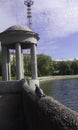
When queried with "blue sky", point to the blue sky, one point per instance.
{"points": [[56, 21]]}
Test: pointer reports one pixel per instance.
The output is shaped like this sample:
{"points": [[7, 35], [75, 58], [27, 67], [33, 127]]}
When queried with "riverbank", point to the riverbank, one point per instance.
{"points": [[45, 78]]}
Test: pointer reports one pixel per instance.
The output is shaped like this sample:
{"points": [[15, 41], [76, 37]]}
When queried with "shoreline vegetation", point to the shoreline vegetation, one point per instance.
{"points": [[47, 78]]}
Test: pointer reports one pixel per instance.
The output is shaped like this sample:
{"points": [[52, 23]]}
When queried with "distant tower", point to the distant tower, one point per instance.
{"points": [[29, 3]]}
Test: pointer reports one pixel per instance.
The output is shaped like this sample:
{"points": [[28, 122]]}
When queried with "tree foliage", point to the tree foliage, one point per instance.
{"points": [[13, 66], [0, 63], [27, 65], [46, 66], [74, 67], [64, 67]]}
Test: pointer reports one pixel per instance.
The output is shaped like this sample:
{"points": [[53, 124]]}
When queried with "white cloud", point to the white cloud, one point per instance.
{"points": [[54, 19], [56, 22], [56, 3], [47, 48], [11, 13], [4, 20], [51, 19]]}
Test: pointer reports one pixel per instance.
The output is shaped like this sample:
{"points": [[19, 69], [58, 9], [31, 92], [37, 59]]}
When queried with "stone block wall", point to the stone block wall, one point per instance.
{"points": [[22, 109], [46, 113], [11, 106]]}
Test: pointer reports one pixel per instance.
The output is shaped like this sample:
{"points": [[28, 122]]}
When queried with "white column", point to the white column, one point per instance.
{"points": [[4, 63], [9, 65], [18, 62], [22, 65], [33, 62]]}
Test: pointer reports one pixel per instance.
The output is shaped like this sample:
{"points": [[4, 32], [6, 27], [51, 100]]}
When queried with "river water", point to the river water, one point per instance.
{"points": [[64, 90]]}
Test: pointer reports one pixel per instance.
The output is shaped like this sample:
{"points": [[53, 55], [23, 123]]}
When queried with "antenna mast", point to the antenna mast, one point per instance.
{"points": [[29, 3]]}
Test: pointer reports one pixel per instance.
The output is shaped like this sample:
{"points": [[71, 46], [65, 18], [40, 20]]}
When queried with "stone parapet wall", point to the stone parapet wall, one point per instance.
{"points": [[7, 87], [22, 109], [11, 106], [46, 113]]}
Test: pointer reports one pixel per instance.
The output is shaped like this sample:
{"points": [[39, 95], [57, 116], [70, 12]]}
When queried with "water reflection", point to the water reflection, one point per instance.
{"points": [[65, 90]]}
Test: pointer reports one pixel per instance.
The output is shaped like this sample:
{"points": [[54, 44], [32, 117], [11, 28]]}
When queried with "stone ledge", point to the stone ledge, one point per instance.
{"points": [[46, 113]]}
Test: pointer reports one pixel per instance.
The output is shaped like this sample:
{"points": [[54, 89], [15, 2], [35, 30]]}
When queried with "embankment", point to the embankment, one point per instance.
{"points": [[57, 77]]}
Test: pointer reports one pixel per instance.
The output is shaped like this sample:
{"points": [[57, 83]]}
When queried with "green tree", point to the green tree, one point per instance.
{"points": [[27, 65], [13, 67], [74, 67], [44, 65], [56, 67], [0, 63], [64, 68]]}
